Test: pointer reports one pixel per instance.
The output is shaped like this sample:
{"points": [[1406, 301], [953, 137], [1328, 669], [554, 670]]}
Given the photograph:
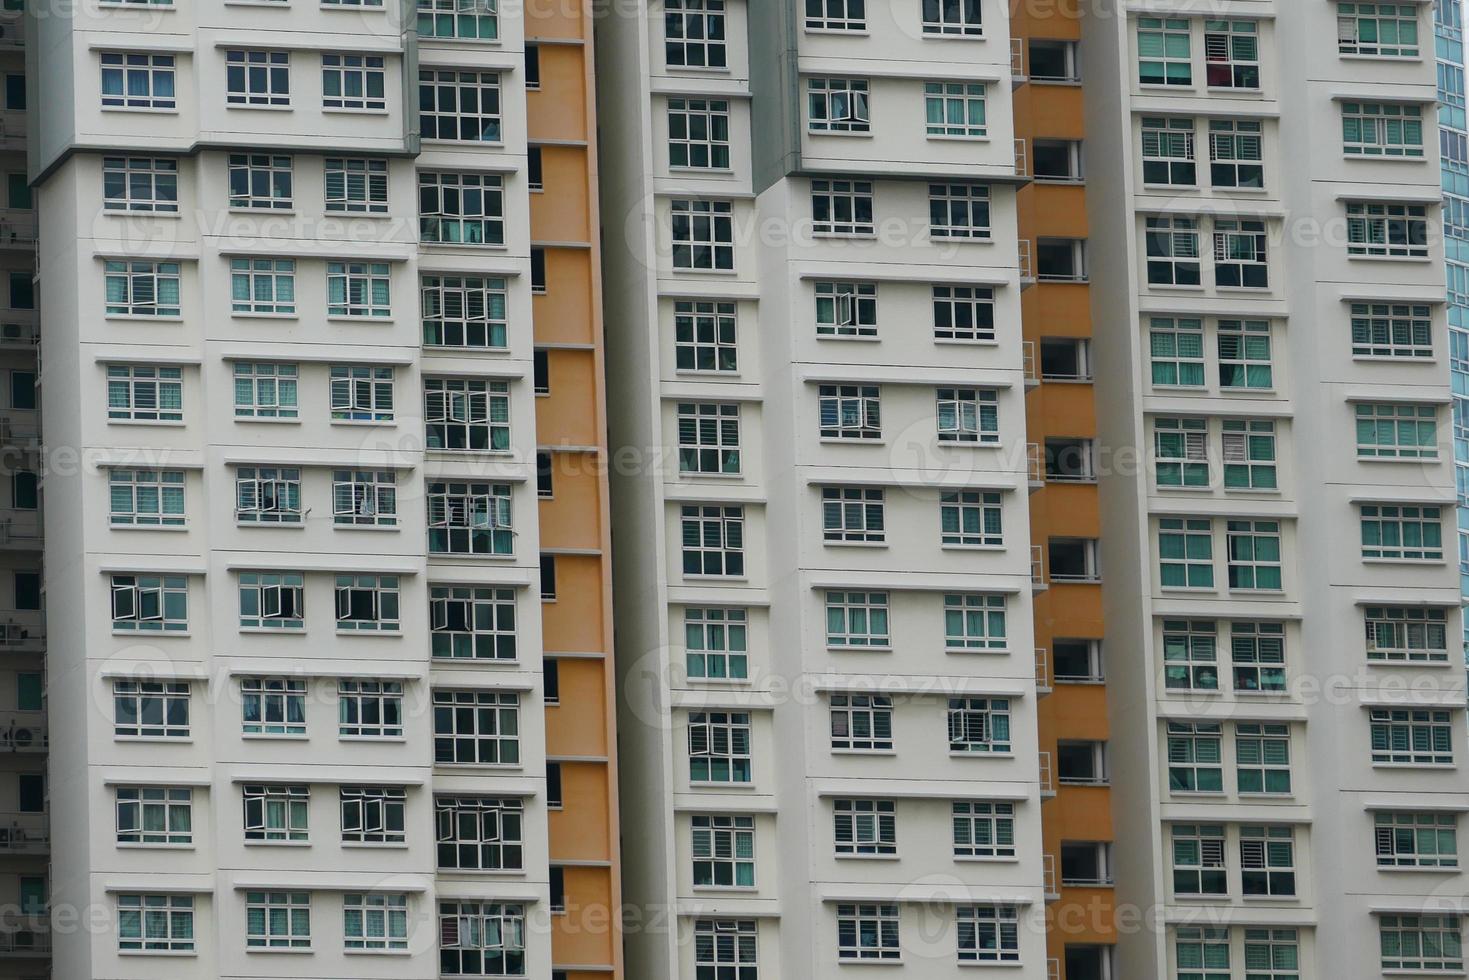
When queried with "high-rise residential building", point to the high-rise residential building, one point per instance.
{"points": [[1065, 521], [823, 563], [1272, 337], [328, 571], [1448, 28]]}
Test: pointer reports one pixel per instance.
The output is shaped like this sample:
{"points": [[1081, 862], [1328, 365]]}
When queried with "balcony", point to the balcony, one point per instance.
{"points": [[18, 330], [22, 630], [23, 731], [25, 943], [17, 229], [24, 833], [20, 530]]}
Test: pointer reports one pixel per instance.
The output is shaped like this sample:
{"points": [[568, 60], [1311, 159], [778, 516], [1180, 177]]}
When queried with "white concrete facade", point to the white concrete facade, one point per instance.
{"points": [[882, 570], [274, 569], [1235, 353]]}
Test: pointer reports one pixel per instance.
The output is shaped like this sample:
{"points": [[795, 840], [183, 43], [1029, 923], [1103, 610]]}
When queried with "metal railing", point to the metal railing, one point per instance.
{"points": [[1022, 159], [1053, 968], [24, 832], [23, 731], [18, 632], [1047, 774], [26, 531], [1048, 877], [1042, 669], [1017, 57], [1022, 248], [1028, 364], [25, 942], [1037, 565], [1035, 464]]}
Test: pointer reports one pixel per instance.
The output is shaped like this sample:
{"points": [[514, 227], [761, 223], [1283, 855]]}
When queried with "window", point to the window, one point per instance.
{"points": [[364, 498], [862, 722], [716, 643], [355, 185], [971, 518], [723, 850], [1163, 52], [1244, 354], [155, 923], [1239, 254], [1406, 633], [1380, 30], [1403, 533], [463, 106], [547, 570], [272, 600], [1202, 952], [361, 393], [709, 438], [955, 109], [461, 209], [1168, 152], [357, 289], [1387, 230], [479, 833], [372, 814], [703, 236], [850, 412], [142, 288], [1415, 737], [837, 105], [1176, 347], [140, 184], [1235, 153], [988, 933], [974, 621], [979, 725], [273, 706], [467, 415], [1198, 859], [1249, 454], [541, 371], [713, 540], [959, 211], [463, 312], [465, 20], [470, 519], [868, 931], [1382, 129], [698, 134], [719, 747], [144, 393], [1391, 330], [532, 67], [1396, 431], [853, 514], [1232, 54], [150, 709], [476, 728], [694, 37], [263, 286], [968, 415], [1416, 840], [1052, 61], [265, 390], [954, 18], [150, 603], [857, 619], [1262, 758], [1254, 555], [138, 81], [481, 939], [537, 271], [983, 829], [375, 920], [1267, 860], [267, 495], [725, 948], [146, 498], [836, 15], [846, 309], [1190, 655], [866, 827], [704, 336], [1061, 260], [963, 313], [1272, 954], [1185, 553], [369, 709], [1422, 943], [353, 81], [1182, 450], [276, 812], [1257, 651], [155, 815], [258, 78], [278, 920], [841, 207], [555, 799], [1195, 757], [472, 622], [1173, 251], [260, 181]]}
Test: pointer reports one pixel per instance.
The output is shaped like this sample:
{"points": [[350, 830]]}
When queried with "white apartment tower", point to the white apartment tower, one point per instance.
{"points": [[822, 559], [287, 284], [1286, 682]]}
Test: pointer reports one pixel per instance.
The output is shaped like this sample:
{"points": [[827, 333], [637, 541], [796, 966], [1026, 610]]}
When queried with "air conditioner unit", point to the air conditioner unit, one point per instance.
{"points": [[11, 331], [25, 737]]}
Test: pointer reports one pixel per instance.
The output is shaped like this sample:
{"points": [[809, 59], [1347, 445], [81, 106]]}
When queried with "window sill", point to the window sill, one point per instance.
{"points": [[867, 857], [251, 315], [952, 138], [158, 422], [723, 477], [286, 212], [376, 845], [152, 634], [174, 953], [274, 736], [144, 110], [291, 525], [348, 318], [366, 527], [267, 420], [377, 952], [281, 950], [130, 213], [146, 317], [1169, 287], [1387, 258], [1431, 460], [856, 648], [892, 752], [277, 843], [976, 859], [1406, 561], [127, 846], [149, 527], [1414, 869], [831, 543], [842, 133], [371, 423], [981, 651], [980, 755], [862, 338], [1415, 664]]}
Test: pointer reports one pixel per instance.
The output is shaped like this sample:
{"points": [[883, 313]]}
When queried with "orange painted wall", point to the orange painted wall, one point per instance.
{"points": [[573, 621], [579, 831], [566, 416], [564, 314]]}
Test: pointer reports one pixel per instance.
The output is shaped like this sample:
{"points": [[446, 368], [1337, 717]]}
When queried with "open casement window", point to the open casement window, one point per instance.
{"points": [[280, 601], [359, 604], [450, 614], [354, 500], [137, 603]]}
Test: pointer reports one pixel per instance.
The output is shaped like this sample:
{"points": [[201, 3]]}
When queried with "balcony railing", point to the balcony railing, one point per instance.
{"points": [[20, 529], [23, 731], [24, 833], [25, 942], [1042, 670], [1028, 363], [1027, 270], [1035, 465], [21, 628], [1022, 159], [1053, 968], [1017, 59], [1049, 879], [1047, 775], [1037, 567]]}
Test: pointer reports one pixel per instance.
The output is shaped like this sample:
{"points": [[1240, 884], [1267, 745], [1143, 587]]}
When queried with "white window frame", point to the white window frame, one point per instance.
{"points": [[257, 78], [354, 82]]}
